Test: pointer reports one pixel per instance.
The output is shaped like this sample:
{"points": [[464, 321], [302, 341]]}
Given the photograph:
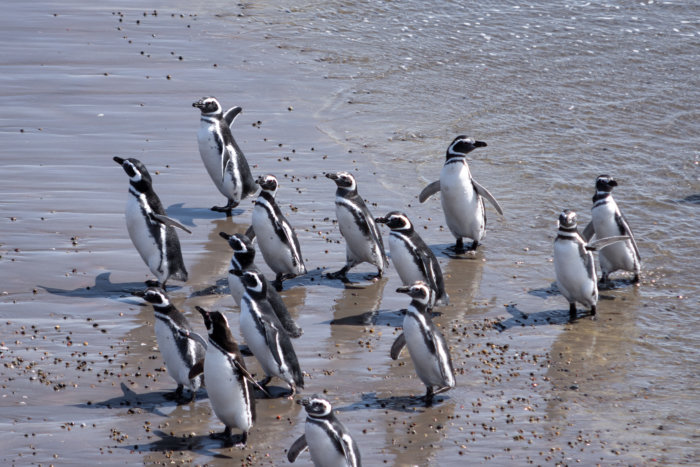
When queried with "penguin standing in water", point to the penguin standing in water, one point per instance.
{"points": [[363, 240], [180, 347], [426, 344], [328, 440], [608, 221], [276, 238], [223, 159], [243, 259], [228, 381], [150, 230], [265, 336], [573, 263], [412, 258], [461, 196]]}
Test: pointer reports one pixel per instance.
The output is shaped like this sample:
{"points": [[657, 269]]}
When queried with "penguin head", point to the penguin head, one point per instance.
{"points": [[419, 292], [605, 183], [209, 319], [344, 180], [253, 282], [463, 145], [268, 183], [209, 106], [396, 220], [239, 243], [317, 407], [135, 169], [567, 220]]}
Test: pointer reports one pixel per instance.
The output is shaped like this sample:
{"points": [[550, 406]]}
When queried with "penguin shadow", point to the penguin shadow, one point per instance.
{"points": [[151, 401], [200, 444], [372, 317], [540, 318], [367, 301], [690, 199], [103, 287], [408, 404], [188, 215], [219, 288], [447, 250]]}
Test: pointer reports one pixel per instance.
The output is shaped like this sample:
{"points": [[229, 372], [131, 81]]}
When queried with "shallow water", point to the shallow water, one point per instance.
{"points": [[561, 93]]}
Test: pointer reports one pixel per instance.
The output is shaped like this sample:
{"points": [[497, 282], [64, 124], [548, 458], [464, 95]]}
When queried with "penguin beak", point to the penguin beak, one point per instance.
{"points": [[224, 235], [138, 293], [305, 401], [381, 220], [198, 104], [202, 311], [118, 160], [612, 183], [332, 176], [403, 289], [480, 144]]}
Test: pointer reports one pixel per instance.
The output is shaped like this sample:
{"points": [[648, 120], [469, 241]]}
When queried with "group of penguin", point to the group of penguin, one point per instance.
{"points": [[265, 322]]}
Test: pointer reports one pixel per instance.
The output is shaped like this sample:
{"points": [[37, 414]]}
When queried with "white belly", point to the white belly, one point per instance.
{"points": [[178, 368], [404, 262], [359, 247], [464, 213], [212, 157], [226, 394], [276, 253], [236, 288], [148, 247], [619, 255], [426, 365], [572, 277], [322, 450]]}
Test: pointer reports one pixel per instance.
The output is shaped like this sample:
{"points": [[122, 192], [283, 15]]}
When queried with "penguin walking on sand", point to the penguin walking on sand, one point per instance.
{"points": [[243, 259], [412, 258], [277, 240], [265, 336], [461, 196], [229, 385], [328, 440], [150, 229], [180, 347], [608, 221], [426, 344], [363, 240], [223, 159], [573, 263]]}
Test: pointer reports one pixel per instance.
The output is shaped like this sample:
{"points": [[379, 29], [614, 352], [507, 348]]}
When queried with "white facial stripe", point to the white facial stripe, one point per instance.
{"points": [[258, 283], [137, 173]]}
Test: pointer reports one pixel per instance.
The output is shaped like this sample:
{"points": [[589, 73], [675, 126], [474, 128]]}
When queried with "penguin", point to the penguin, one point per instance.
{"points": [[150, 230], [328, 440], [363, 240], [180, 347], [412, 258], [461, 196], [277, 240], [265, 336], [574, 267], [426, 344], [223, 159], [228, 382], [607, 221], [243, 259]]}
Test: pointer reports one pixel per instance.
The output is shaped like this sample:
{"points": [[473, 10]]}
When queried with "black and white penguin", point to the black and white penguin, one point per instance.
{"points": [[228, 382], [461, 196], [223, 159], [328, 440], [608, 221], [363, 240], [412, 258], [180, 347], [277, 240], [265, 336], [150, 229], [243, 259], [426, 344]]}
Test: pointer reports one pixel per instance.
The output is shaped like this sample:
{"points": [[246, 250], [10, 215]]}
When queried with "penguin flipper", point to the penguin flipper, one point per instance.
{"points": [[250, 233], [588, 232], [244, 371], [398, 346], [296, 448], [231, 114], [196, 370], [429, 191], [169, 221], [602, 242], [194, 336], [486, 194], [626, 230]]}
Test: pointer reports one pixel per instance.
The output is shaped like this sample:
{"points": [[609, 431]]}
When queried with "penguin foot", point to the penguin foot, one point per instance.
{"points": [[572, 312], [227, 209], [225, 436], [277, 283], [593, 310], [635, 279], [340, 274], [428, 398], [242, 440], [374, 277], [474, 246]]}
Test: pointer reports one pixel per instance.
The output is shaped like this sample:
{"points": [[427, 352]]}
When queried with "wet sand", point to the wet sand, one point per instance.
{"points": [[81, 380]]}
